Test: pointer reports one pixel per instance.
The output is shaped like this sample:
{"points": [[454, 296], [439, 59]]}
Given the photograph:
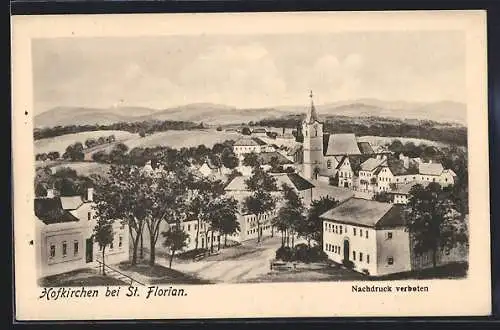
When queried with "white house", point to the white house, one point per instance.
{"points": [[345, 173], [238, 189], [434, 172], [372, 235], [401, 194], [368, 173], [248, 145], [64, 229]]}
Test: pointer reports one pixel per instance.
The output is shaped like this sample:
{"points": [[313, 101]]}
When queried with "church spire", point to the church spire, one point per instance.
{"points": [[312, 116]]}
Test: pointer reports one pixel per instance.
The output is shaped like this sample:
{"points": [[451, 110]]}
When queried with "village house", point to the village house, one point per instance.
{"points": [[64, 231], [248, 145], [370, 234], [401, 193], [259, 132], [248, 222]]}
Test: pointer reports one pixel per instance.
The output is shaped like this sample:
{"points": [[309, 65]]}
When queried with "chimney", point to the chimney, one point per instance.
{"points": [[50, 193], [90, 194]]}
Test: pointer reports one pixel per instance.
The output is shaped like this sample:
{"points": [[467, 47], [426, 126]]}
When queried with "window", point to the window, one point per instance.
{"points": [[340, 230], [366, 233], [111, 245], [367, 258], [75, 248], [89, 216], [389, 235], [52, 250], [390, 260], [354, 231], [353, 255], [189, 227], [64, 248], [361, 232], [361, 256], [120, 241], [329, 164]]}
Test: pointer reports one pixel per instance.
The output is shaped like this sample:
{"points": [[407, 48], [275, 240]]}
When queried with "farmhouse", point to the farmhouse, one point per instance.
{"points": [[372, 235], [238, 189], [248, 145], [64, 228]]}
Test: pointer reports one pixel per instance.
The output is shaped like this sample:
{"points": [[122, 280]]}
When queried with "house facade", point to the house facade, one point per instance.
{"points": [[251, 223], [372, 235], [64, 231]]}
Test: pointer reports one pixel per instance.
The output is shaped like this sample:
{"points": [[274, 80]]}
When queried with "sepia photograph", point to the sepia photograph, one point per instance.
{"points": [[182, 160]]}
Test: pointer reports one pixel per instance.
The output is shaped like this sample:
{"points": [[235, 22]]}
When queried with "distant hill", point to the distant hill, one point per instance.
{"points": [[215, 114]]}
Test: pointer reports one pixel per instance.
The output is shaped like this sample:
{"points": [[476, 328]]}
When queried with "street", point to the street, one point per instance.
{"points": [[233, 265]]}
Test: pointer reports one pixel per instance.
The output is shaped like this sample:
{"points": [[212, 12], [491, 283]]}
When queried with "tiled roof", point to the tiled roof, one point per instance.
{"points": [[247, 141], [291, 179], [404, 188], [367, 213], [342, 144], [365, 148], [265, 158], [371, 163], [430, 168], [50, 211]]}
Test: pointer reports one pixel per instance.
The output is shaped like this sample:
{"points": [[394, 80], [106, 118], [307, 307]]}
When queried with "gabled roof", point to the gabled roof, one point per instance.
{"points": [[342, 144], [312, 115], [51, 211], [70, 203], [430, 168], [371, 164], [265, 158], [248, 141], [365, 148], [404, 188], [291, 179], [367, 213]]}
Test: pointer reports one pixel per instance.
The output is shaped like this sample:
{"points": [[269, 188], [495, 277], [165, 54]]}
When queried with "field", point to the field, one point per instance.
{"points": [[178, 139], [59, 143], [85, 168], [382, 140]]}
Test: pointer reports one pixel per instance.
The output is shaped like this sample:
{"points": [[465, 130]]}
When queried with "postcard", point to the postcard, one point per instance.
{"points": [[250, 165]]}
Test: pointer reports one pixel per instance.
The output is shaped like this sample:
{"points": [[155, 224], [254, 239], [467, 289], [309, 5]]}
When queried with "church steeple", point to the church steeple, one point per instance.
{"points": [[312, 116]]}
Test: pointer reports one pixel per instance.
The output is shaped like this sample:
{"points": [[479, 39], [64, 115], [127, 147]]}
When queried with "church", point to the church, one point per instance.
{"points": [[324, 158]]}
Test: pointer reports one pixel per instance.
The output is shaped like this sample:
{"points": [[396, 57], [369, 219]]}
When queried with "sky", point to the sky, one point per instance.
{"points": [[248, 71]]}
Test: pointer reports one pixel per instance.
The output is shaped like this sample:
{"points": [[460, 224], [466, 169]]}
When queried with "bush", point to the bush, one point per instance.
{"points": [[301, 253], [284, 254]]}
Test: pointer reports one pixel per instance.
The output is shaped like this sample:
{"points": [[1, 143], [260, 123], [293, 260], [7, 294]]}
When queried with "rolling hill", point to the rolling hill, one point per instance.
{"points": [[217, 114]]}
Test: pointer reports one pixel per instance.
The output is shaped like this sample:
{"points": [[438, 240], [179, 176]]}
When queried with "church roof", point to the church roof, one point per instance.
{"points": [[312, 115], [342, 144]]}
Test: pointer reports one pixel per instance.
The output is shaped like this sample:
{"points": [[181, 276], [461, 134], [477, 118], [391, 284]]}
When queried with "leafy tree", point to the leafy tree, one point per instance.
{"points": [[74, 152], [123, 194], [251, 159], [53, 155], [229, 159], [101, 140], [103, 235], [100, 157], [261, 184], [142, 133], [167, 194], [246, 131], [433, 221], [291, 215], [175, 240], [382, 197], [396, 146], [223, 217], [314, 224], [90, 142]]}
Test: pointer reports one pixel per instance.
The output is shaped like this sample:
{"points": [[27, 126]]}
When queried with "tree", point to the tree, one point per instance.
{"points": [[123, 194], [103, 235], [396, 146], [224, 215], [314, 225], [53, 155], [229, 159], [90, 142], [219, 129], [251, 159], [101, 140], [433, 221], [291, 214], [246, 131], [142, 133], [175, 240], [167, 194], [74, 152], [261, 184]]}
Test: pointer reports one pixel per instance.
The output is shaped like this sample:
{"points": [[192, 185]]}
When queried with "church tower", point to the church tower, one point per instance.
{"points": [[312, 131]]}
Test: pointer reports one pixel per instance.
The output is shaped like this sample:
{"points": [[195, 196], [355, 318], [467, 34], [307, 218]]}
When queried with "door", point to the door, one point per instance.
{"points": [[89, 250], [346, 184], [346, 250]]}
